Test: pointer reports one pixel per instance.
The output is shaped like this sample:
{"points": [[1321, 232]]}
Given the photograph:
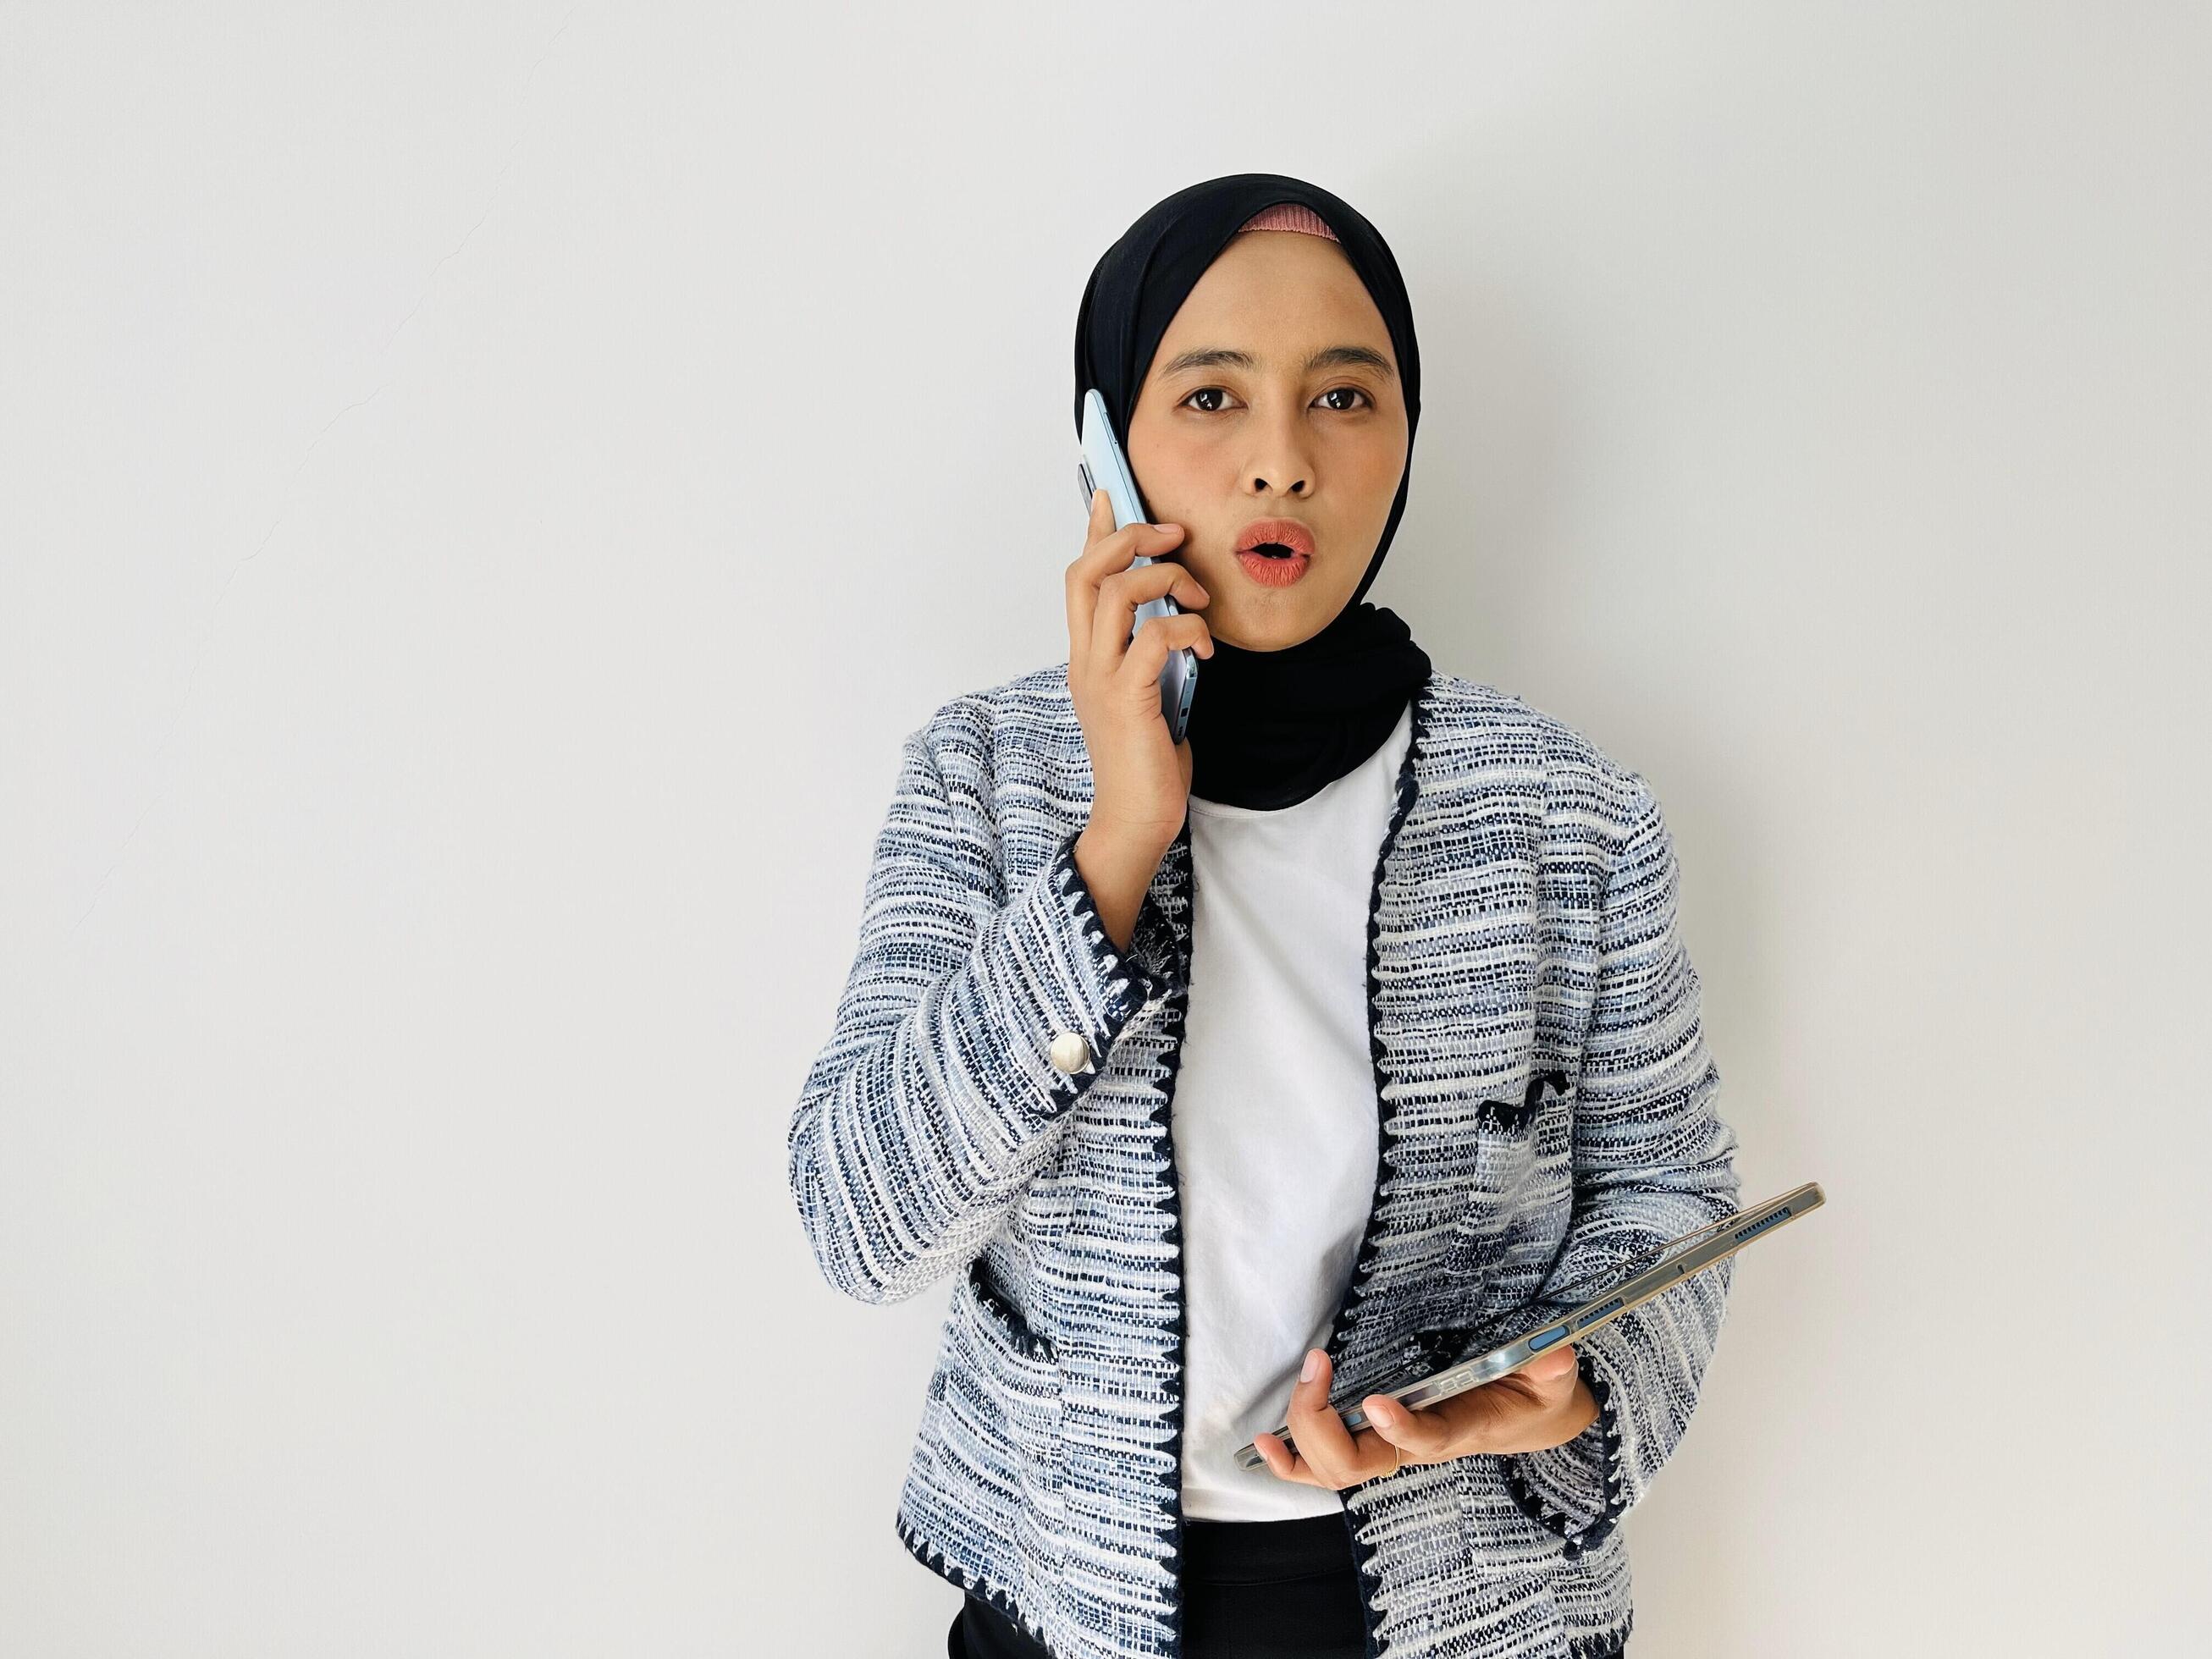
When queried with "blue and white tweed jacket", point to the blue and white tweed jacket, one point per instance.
{"points": [[1546, 1120]]}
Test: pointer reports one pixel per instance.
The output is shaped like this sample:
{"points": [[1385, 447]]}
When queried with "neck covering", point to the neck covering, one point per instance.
{"points": [[1267, 728]]}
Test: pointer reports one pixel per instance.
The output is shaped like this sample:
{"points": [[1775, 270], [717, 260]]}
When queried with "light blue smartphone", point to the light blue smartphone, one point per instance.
{"points": [[1103, 466]]}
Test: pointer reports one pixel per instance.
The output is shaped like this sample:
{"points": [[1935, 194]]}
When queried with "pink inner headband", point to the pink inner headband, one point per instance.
{"points": [[1288, 216]]}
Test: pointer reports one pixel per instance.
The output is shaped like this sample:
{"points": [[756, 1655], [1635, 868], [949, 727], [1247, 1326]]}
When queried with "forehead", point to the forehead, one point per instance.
{"points": [[1277, 294]]}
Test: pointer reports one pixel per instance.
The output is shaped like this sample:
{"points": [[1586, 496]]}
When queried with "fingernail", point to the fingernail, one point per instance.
{"points": [[1312, 1365]]}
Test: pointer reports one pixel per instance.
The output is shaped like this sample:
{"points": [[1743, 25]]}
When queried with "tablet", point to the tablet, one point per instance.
{"points": [[1689, 1254]]}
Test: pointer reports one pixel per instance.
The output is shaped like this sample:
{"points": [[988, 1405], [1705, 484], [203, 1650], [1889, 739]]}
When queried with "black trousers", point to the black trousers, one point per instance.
{"points": [[1251, 1589]]}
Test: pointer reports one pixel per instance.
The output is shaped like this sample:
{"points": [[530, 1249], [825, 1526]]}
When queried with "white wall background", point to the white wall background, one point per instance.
{"points": [[484, 490]]}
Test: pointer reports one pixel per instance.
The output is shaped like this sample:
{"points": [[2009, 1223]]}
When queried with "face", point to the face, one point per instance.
{"points": [[1273, 396]]}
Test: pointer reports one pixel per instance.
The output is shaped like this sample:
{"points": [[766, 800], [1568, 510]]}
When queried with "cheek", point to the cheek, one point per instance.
{"points": [[1342, 580], [1379, 468], [1173, 472], [1159, 445]]}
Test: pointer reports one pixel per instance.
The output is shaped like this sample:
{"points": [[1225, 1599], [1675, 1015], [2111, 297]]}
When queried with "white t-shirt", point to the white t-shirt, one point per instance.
{"points": [[1274, 1115]]}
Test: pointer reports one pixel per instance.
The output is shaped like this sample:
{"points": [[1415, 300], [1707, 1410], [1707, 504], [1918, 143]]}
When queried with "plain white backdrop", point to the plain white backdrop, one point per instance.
{"points": [[484, 490]]}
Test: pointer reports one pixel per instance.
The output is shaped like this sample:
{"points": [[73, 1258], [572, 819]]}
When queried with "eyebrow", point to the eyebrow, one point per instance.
{"points": [[1341, 356]]}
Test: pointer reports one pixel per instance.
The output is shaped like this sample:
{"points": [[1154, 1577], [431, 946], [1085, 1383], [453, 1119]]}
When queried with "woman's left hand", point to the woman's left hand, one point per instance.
{"points": [[1545, 1403]]}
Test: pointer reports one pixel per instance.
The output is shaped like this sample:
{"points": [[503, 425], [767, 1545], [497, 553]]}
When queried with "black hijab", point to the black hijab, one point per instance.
{"points": [[1267, 728]]}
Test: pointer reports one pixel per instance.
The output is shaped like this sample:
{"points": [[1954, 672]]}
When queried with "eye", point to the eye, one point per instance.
{"points": [[1333, 391]]}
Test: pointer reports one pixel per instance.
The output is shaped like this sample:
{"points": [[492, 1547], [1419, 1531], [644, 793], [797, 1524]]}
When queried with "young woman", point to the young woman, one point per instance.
{"points": [[1238, 1080]]}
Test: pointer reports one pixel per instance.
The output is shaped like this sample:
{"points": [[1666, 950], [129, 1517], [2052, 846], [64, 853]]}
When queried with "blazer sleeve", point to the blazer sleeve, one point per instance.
{"points": [[1652, 1160], [935, 1099]]}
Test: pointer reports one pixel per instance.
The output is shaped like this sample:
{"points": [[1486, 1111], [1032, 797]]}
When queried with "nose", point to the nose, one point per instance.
{"points": [[1282, 456]]}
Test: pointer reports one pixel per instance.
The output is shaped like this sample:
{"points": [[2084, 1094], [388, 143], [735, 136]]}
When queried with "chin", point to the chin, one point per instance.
{"points": [[1277, 633]]}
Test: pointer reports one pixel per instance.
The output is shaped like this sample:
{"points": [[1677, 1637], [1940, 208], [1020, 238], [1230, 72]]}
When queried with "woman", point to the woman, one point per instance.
{"points": [[1241, 1080]]}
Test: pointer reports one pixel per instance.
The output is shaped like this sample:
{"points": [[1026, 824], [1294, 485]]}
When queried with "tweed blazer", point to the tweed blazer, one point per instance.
{"points": [[992, 1107]]}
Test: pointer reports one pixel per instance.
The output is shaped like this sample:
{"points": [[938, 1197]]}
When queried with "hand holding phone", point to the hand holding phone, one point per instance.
{"points": [[1102, 466], [1141, 779], [1133, 652]]}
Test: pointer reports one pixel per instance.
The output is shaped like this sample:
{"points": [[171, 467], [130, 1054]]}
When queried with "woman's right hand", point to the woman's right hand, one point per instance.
{"points": [[1140, 780]]}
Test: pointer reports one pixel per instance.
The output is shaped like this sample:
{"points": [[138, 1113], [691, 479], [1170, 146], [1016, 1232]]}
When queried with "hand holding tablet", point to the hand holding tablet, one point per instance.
{"points": [[1691, 1253], [1544, 1403]]}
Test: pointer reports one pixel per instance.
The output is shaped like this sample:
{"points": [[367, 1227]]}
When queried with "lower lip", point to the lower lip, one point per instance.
{"points": [[1273, 573]]}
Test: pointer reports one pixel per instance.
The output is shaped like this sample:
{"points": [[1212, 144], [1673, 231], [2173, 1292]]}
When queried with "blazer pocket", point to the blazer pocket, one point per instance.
{"points": [[1519, 1167], [1018, 1369], [1513, 1561], [1011, 1382]]}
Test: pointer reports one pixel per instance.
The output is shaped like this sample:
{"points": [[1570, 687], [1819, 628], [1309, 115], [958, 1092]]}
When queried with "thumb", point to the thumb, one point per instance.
{"points": [[1552, 1368]]}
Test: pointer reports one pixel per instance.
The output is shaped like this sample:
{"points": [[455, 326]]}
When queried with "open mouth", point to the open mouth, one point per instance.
{"points": [[1277, 539], [1273, 564]]}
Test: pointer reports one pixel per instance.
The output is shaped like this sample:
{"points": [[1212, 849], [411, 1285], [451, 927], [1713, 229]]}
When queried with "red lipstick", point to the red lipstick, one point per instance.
{"points": [[1275, 552]]}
